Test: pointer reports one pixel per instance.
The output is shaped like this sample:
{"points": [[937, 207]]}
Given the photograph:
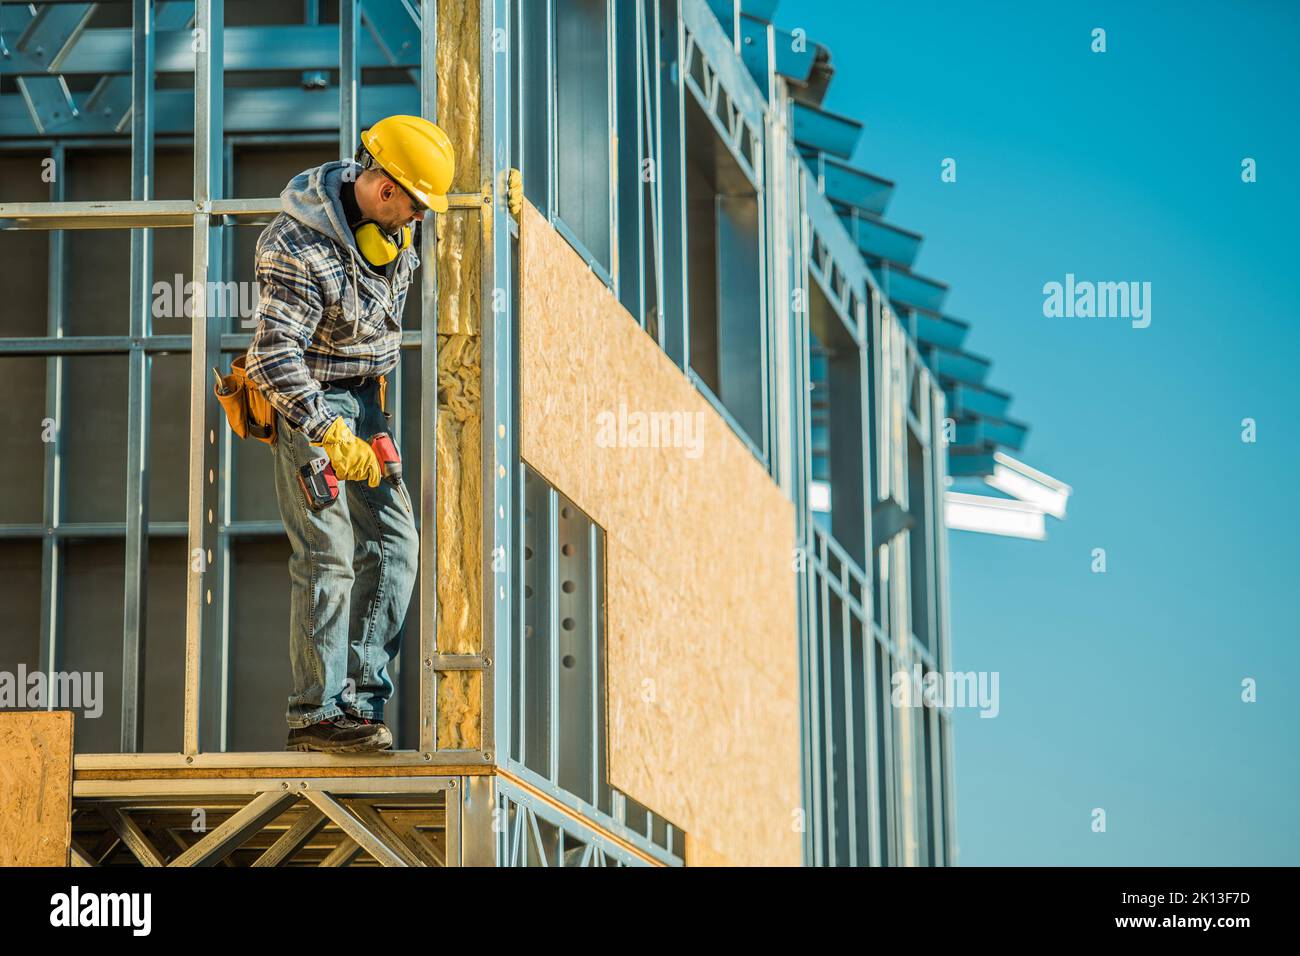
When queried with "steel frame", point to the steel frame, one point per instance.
{"points": [[532, 831], [721, 86], [800, 229], [208, 527], [504, 469], [899, 397], [804, 243], [647, 113], [176, 820], [387, 818]]}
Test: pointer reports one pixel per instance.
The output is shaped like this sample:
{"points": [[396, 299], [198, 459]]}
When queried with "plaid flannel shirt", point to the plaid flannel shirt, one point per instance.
{"points": [[322, 315]]}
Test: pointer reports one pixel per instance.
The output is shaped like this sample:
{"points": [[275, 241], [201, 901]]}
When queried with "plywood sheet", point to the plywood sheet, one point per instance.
{"points": [[701, 633], [35, 788], [700, 854]]}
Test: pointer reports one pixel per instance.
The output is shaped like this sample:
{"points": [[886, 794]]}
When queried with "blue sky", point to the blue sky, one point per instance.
{"points": [[1119, 690]]}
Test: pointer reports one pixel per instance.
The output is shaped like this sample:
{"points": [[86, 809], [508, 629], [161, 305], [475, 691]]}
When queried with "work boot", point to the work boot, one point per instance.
{"points": [[385, 735], [338, 735]]}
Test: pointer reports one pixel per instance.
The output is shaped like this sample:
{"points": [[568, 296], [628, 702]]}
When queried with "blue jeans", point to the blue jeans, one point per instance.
{"points": [[351, 575]]}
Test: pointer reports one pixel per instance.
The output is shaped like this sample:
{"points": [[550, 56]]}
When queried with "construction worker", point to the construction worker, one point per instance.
{"points": [[334, 268]]}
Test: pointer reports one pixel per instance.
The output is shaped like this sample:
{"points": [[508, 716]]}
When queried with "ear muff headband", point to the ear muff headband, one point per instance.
{"points": [[378, 247]]}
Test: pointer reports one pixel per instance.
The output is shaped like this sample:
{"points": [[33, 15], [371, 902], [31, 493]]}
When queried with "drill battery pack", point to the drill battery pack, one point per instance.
{"points": [[320, 486]]}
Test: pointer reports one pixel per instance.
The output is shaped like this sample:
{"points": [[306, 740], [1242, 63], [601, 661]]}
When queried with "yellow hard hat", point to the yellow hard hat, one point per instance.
{"points": [[417, 154]]}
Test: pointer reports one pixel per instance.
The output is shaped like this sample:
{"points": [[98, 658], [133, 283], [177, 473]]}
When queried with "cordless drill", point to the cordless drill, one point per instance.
{"points": [[320, 485], [390, 462]]}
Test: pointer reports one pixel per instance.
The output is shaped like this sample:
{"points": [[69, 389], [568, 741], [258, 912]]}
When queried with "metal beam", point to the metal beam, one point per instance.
{"points": [[104, 52], [261, 810], [354, 829], [121, 344], [283, 849], [207, 788], [45, 40], [52, 549], [52, 32], [428, 576], [499, 298], [154, 214], [134, 838], [79, 857], [160, 213], [343, 854], [670, 96], [208, 172], [432, 853], [397, 31], [476, 834], [349, 78], [249, 110], [135, 600], [371, 818]]}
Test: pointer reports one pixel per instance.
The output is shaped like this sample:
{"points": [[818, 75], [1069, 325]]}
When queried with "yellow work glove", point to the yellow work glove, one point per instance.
{"points": [[515, 193], [353, 459]]}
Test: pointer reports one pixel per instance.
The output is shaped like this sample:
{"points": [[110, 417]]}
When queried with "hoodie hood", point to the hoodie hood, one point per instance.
{"points": [[312, 198]]}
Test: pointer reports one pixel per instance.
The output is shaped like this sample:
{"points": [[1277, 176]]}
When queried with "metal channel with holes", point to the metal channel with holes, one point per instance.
{"points": [[557, 736]]}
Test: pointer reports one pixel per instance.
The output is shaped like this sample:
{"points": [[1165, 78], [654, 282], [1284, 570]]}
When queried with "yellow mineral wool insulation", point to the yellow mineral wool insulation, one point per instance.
{"points": [[459, 263], [35, 788], [460, 86], [701, 632], [460, 695], [459, 496], [458, 105]]}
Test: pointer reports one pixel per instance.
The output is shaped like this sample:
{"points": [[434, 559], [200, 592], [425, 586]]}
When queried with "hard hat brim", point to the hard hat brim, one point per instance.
{"points": [[437, 203]]}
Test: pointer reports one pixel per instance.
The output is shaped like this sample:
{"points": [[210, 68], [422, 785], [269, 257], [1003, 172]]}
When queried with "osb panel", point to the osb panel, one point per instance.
{"points": [[458, 453], [701, 641], [699, 854], [35, 788]]}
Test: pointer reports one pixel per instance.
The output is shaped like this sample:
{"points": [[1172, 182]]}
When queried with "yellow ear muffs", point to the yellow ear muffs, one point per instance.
{"points": [[378, 247]]}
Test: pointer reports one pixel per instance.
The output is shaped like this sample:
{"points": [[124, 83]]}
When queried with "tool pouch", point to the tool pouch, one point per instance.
{"points": [[247, 410]]}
